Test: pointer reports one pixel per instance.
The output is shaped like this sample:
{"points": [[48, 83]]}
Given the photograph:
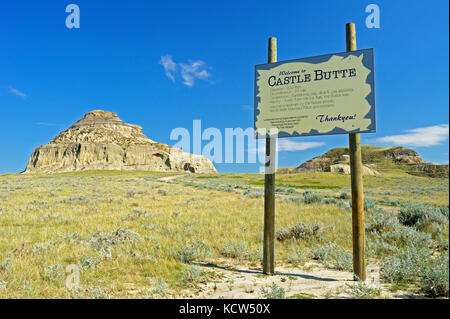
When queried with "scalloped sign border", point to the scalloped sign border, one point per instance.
{"points": [[362, 105]]}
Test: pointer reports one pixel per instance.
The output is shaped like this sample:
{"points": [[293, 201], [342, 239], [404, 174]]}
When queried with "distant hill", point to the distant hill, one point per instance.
{"points": [[375, 159]]}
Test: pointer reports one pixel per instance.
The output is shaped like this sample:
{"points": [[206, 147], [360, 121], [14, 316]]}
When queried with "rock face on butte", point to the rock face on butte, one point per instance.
{"points": [[100, 140]]}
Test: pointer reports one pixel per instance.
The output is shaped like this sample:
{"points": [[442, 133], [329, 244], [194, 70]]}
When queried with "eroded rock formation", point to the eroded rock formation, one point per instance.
{"points": [[100, 140], [375, 160]]}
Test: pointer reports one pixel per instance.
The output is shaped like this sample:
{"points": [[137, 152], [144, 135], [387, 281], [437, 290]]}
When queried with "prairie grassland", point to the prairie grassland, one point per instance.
{"points": [[134, 236]]}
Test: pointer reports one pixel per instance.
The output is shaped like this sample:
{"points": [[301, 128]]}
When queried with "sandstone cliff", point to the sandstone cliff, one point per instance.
{"points": [[100, 140]]}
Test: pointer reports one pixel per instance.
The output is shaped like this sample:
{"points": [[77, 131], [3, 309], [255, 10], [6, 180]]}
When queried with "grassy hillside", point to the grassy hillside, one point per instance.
{"points": [[388, 160], [135, 236]]}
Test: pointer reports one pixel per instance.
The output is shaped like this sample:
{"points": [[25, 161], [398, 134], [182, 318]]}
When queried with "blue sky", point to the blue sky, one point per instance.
{"points": [[50, 76]]}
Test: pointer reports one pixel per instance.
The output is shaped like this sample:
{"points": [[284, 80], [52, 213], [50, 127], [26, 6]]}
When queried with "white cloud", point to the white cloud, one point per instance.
{"points": [[423, 136], [169, 66], [47, 124], [189, 71], [17, 92], [193, 70]]}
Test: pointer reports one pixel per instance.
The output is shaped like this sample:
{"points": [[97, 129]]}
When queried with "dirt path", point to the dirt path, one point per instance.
{"points": [[312, 280], [171, 177]]}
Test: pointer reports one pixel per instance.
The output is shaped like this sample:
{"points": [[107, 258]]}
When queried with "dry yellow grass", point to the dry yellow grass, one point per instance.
{"points": [[128, 232]]}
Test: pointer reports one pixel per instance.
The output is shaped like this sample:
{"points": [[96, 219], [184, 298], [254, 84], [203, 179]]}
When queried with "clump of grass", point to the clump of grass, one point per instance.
{"points": [[403, 236], [137, 213], [419, 215], [380, 220], [362, 291], [3, 285], [254, 193], [344, 195], [379, 247], [444, 210], [192, 276], [131, 193], [323, 253], [342, 260], [176, 213], [299, 231], [189, 252], [163, 192], [99, 293], [333, 201], [434, 281], [5, 264], [103, 242], [406, 266], [285, 190], [442, 245], [394, 203], [369, 204], [87, 262], [275, 292], [297, 256], [76, 199], [312, 198], [54, 273], [333, 256], [159, 287], [53, 217], [234, 250]]}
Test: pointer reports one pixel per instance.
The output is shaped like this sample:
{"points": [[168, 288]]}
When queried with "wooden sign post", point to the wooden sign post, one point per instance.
{"points": [[269, 187], [321, 95], [359, 267]]}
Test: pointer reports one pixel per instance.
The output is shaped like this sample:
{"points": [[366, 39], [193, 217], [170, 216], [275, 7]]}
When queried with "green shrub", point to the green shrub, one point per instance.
{"points": [[297, 256], [275, 292], [54, 273], [333, 256], [342, 260], [379, 247], [380, 220], [362, 291], [323, 253], [311, 198], [331, 201], [435, 279], [407, 266], [370, 204], [345, 195], [237, 250], [394, 203], [299, 231], [417, 214], [192, 275], [5, 264], [159, 287], [404, 236], [192, 251]]}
